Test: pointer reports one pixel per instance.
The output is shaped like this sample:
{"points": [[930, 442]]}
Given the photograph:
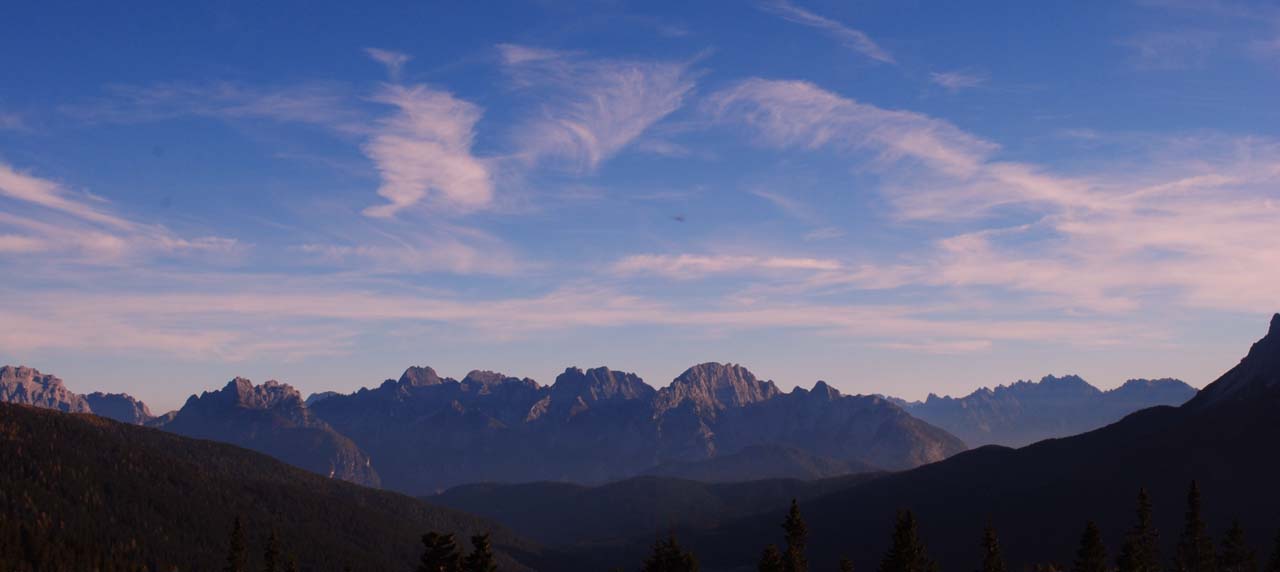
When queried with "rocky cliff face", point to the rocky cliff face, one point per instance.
{"points": [[119, 406], [27, 386], [1026, 412], [427, 433], [271, 418], [1258, 374]]}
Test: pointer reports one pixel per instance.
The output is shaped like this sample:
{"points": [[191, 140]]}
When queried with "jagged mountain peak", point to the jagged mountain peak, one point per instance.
{"points": [[825, 391], [119, 406], [418, 376], [1258, 374], [241, 392], [599, 384], [26, 385], [486, 379], [716, 386]]}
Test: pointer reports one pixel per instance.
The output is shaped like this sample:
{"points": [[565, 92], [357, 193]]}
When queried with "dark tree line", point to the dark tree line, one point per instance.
{"points": [[1139, 551], [441, 554]]}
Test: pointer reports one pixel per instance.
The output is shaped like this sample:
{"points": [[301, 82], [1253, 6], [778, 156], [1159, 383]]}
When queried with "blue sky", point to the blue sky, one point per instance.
{"points": [[896, 197]]}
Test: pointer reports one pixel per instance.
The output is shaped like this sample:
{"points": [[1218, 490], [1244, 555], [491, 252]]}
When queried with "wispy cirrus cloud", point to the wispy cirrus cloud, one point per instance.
{"points": [[394, 61], [10, 121], [692, 266], [1164, 230], [591, 108], [1171, 50], [326, 104], [423, 152], [856, 40], [249, 322], [958, 80], [45, 218], [800, 114]]}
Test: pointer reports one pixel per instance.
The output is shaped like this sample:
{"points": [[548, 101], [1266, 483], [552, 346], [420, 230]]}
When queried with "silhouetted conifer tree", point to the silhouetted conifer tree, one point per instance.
{"points": [[1236, 555], [770, 560], [1141, 552], [1273, 565], [846, 565], [237, 555], [1195, 548], [667, 556], [481, 557], [1092, 555], [907, 553], [797, 536], [439, 554], [992, 560], [292, 565], [271, 556]]}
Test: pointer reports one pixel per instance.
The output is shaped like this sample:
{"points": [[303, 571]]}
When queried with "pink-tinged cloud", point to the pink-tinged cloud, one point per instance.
{"points": [[423, 153]]}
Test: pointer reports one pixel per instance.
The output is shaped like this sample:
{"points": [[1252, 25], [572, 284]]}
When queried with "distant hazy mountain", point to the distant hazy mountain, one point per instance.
{"points": [[426, 433], [1039, 497], [86, 493], [26, 386], [1025, 412], [271, 418], [119, 406]]}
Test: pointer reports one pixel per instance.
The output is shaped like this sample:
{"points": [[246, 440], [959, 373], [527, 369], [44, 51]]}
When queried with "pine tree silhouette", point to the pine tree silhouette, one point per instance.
{"points": [[237, 556], [1140, 551], [992, 560], [907, 553], [667, 556], [1273, 565], [1236, 555], [770, 560], [797, 536], [271, 556], [1092, 555], [439, 554], [846, 565], [1195, 548], [481, 557]]}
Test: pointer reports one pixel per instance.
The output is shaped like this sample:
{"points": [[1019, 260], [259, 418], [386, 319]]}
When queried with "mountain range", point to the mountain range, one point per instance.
{"points": [[424, 433], [1040, 497], [1025, 412], [427, 433]]}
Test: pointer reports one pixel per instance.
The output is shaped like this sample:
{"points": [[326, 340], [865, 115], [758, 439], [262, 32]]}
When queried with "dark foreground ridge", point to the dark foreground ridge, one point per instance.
{"points": [[79, 492], [1041, 496]]}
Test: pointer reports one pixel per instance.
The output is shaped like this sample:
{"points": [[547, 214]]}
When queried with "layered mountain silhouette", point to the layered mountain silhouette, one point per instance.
{"points": [[95, 494], [271, 418], [1039, 497], [1025, 412], [426, 433]]}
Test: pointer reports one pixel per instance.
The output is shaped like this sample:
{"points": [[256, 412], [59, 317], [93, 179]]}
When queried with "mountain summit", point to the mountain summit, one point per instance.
{"points": [[1256, 376], [272, 418]]}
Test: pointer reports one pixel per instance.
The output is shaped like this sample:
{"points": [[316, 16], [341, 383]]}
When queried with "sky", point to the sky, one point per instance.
{"points": [[895, 197]]}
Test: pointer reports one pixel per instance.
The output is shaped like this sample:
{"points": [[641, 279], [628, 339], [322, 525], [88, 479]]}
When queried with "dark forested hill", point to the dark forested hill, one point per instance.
{"points": [[566, 514], [79, 492], [1040, 497]]}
